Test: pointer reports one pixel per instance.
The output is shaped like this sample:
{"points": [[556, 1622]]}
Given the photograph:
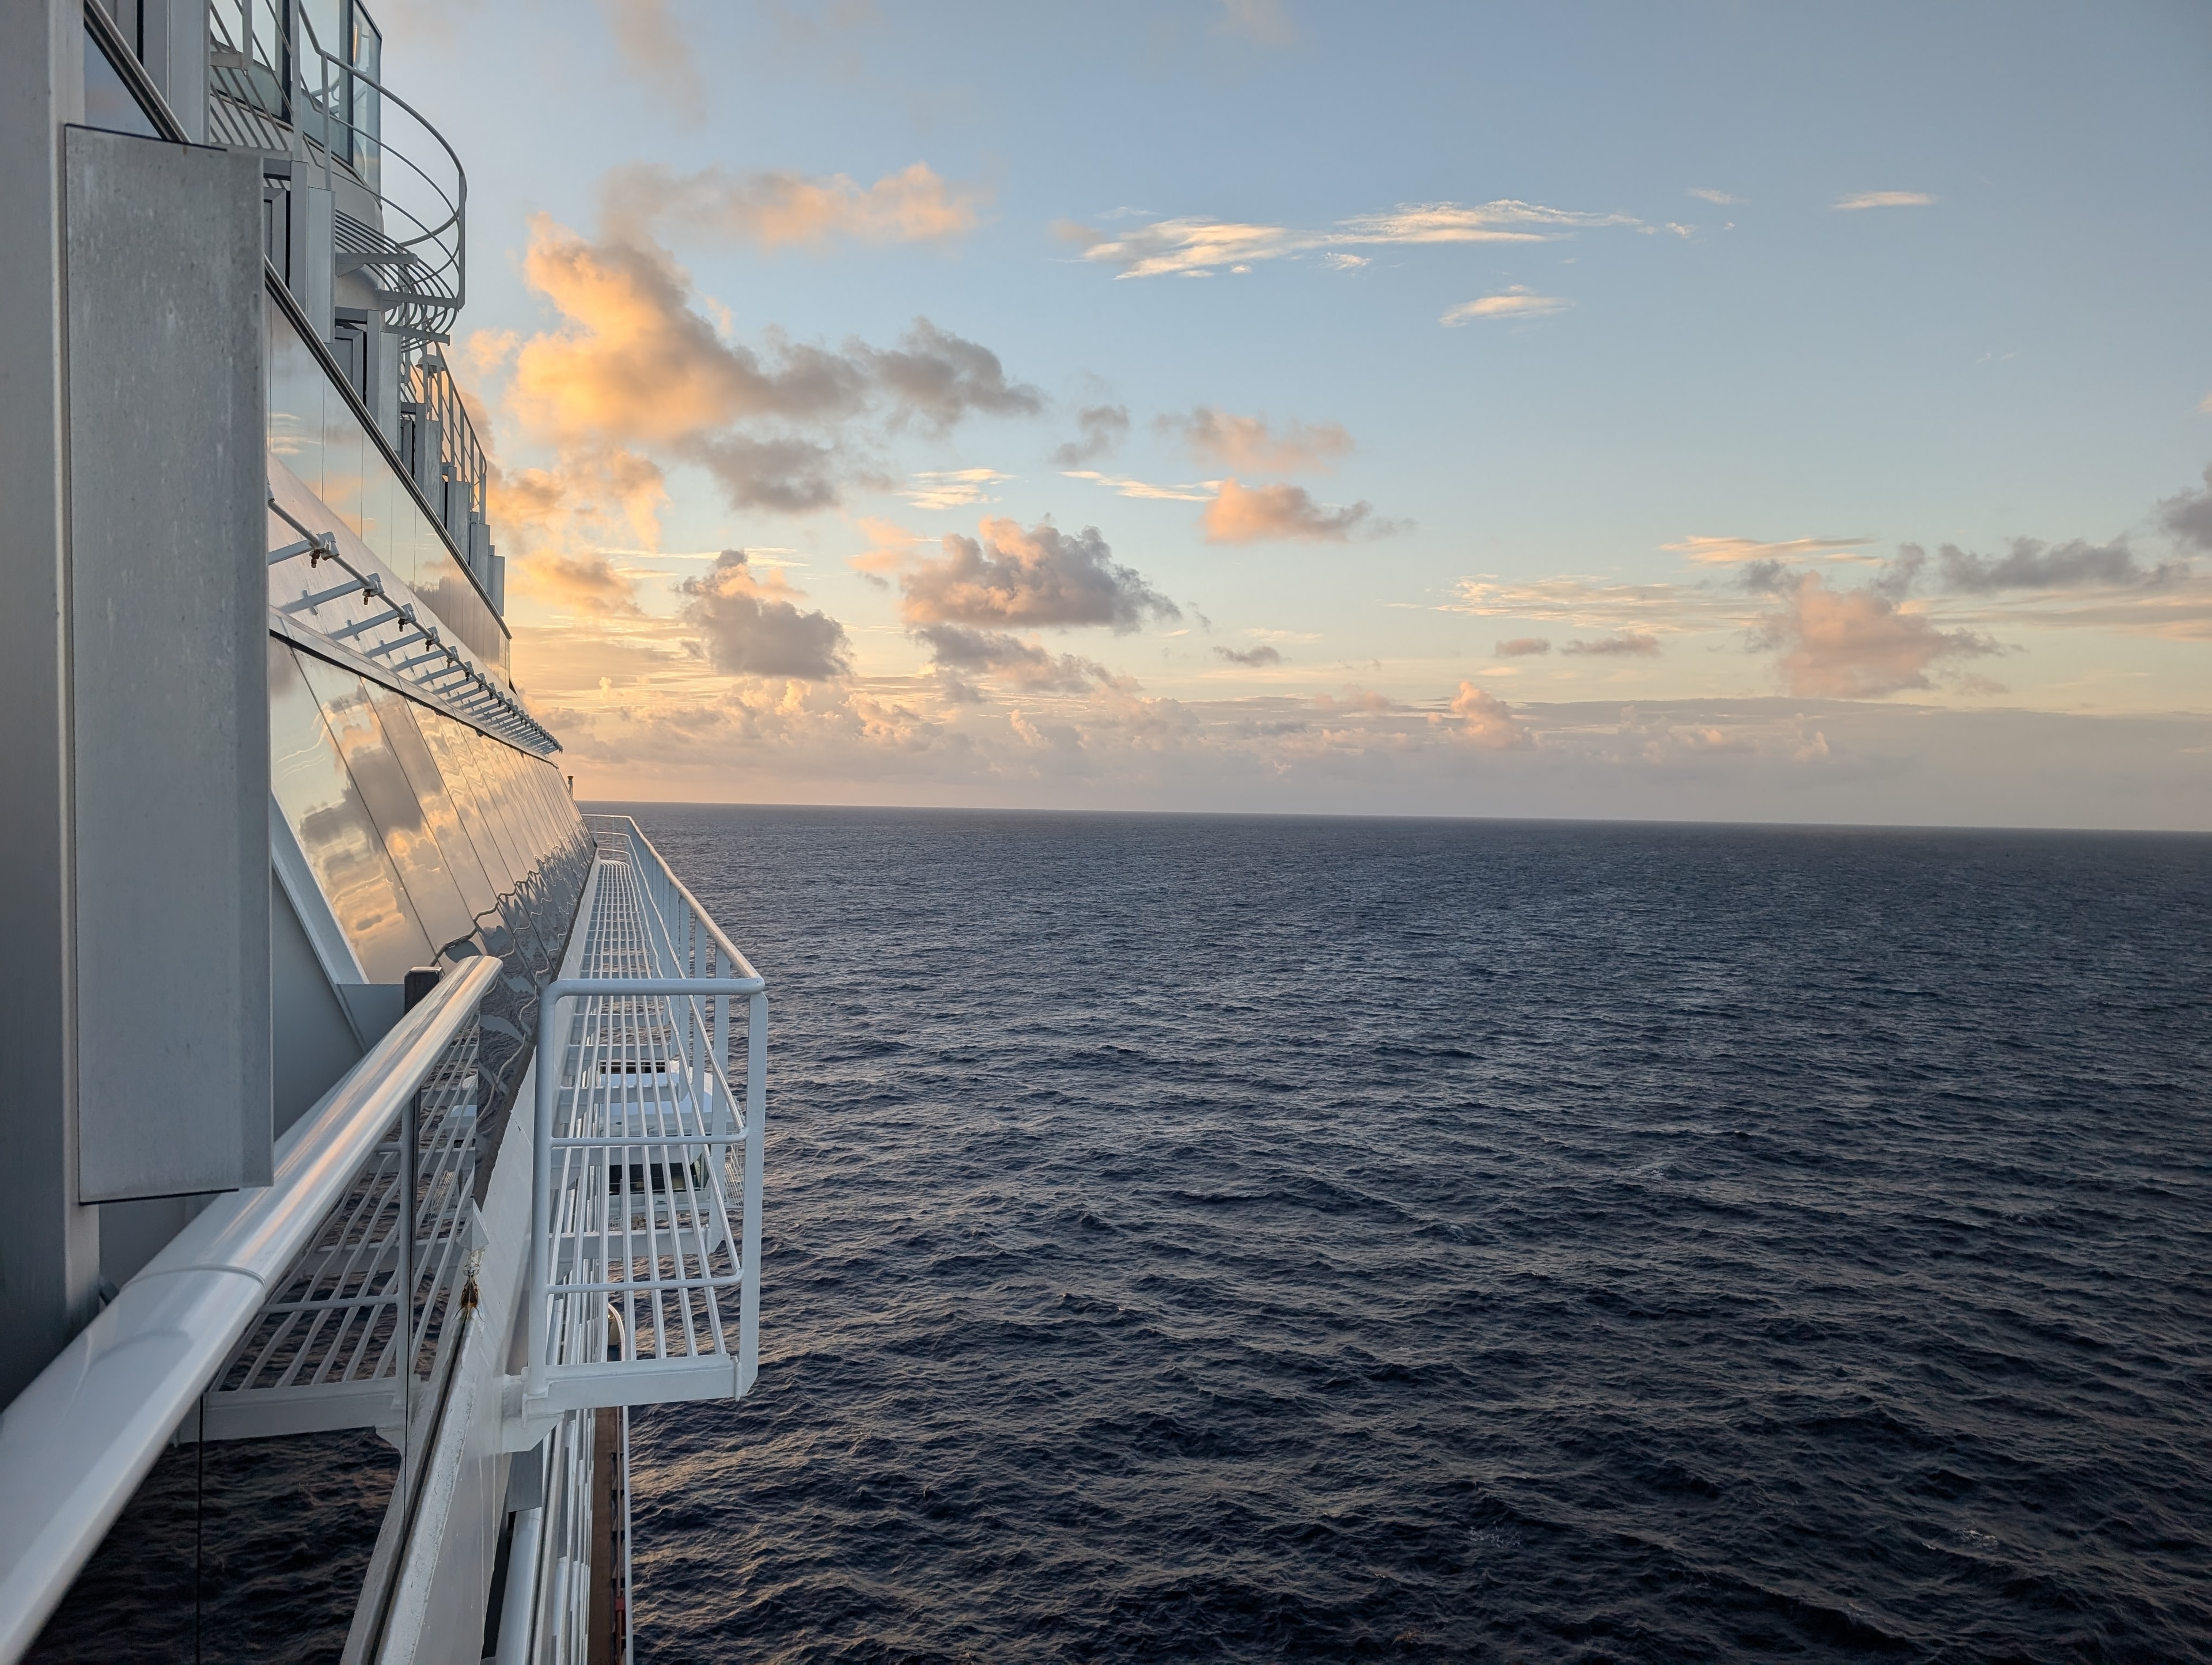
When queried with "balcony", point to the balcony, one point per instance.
{"points": [[646, 1202]]}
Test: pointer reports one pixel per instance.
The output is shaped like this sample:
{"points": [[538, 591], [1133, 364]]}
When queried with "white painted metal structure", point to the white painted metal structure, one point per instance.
{"points": [[646, 1205], [483, 1254], [646, 1209], [74, 1444]]}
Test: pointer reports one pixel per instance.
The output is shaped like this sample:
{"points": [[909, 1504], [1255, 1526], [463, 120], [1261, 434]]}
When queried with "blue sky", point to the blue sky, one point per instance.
{"points": [[1689, 410]]}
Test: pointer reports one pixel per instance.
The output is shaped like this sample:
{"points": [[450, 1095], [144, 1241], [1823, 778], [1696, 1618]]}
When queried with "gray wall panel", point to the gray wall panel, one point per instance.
{"points": [[167, 675]]}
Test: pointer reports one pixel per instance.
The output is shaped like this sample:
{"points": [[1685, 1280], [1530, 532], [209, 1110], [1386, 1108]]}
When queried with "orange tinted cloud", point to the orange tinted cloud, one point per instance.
{"points": [[632, 360], [1487, 721], [1028, 576], [1252, 514], [578, 583], [1247, 445], [1857, 644]]}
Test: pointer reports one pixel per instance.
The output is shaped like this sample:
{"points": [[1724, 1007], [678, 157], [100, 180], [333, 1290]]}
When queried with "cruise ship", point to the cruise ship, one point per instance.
{"points": [[381, 1130]]}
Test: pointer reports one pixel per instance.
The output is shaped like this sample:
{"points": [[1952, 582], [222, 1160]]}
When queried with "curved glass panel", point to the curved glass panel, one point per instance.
{"points": [[317, 794], [392, 805], [451, 744], [402, 734]]}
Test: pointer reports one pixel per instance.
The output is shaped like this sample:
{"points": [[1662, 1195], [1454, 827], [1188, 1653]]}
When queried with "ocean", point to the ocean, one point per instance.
{"points": [[1248, 1239]]}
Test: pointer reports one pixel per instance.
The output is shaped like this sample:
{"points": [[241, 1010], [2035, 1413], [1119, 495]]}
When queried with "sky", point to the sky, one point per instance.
{"points": [[1706, 410]]}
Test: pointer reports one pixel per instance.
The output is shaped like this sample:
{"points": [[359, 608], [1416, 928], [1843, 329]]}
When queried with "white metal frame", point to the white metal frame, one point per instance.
{"points": [[646, 1199], [75, 1444]]}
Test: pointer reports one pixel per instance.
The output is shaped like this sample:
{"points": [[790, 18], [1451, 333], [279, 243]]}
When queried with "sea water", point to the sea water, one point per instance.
{"points": [[1246, 1239]]}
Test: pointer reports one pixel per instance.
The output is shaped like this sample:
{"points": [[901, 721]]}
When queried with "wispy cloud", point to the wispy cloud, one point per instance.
{"points": [[1590, 603], [777, 209], [1726, 551], [1248, 444], [1519, 301], [1201, 492], [1629, 644], [1521, 647], [1707, 194], [659, 52], [1198, 247], [954, 487], [1265, 23], [1863, 200], [1101, 429]]}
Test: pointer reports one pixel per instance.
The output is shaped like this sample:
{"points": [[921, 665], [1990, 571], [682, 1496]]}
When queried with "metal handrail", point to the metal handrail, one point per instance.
{"points": [[74, 1444]]}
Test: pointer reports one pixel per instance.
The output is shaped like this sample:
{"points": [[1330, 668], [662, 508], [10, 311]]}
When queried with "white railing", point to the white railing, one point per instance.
{"points": [[646, 1202], [74, 1444]]}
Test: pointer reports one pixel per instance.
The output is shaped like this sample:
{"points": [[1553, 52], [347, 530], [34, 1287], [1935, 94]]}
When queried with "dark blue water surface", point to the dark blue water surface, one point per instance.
{"points": [[1253, 1239]]}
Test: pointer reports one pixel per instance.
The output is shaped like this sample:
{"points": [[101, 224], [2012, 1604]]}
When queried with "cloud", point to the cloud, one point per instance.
{"points": [[779, 210], [1195, 493], [583, 583], [2189, 517], [1252, 514], [1040, 576], [2037, 565], [1195, 246], [1855, 644], [1524, 647], [1248, 444], [634, 364], [1255, 657], [1585, 604], [1103, 428], [939, 378], [1265, 23], [792, 475], [1627, 645], [659, 52], [631, 360], [752, 628], [1487, 721], [1719, 551], [953, 487], [1705, 193], [578, 501], [1337, 260], [1027, 664], [1518, 302], [1860, 199]]}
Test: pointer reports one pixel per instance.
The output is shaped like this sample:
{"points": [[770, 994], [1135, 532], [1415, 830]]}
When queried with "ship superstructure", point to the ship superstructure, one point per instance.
{"points": [[356, 1080]]}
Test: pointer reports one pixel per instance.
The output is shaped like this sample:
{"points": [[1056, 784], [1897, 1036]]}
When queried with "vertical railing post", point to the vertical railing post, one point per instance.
{"points": [[756, 1122], [541, 1190]]}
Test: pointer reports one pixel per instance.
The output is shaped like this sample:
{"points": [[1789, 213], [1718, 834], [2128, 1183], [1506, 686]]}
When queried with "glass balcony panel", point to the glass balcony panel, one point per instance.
{"points": [[345, 461], [396, 714], [450, 743], [315, 431], [392, 805], [296, 387], [324, 808]]}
